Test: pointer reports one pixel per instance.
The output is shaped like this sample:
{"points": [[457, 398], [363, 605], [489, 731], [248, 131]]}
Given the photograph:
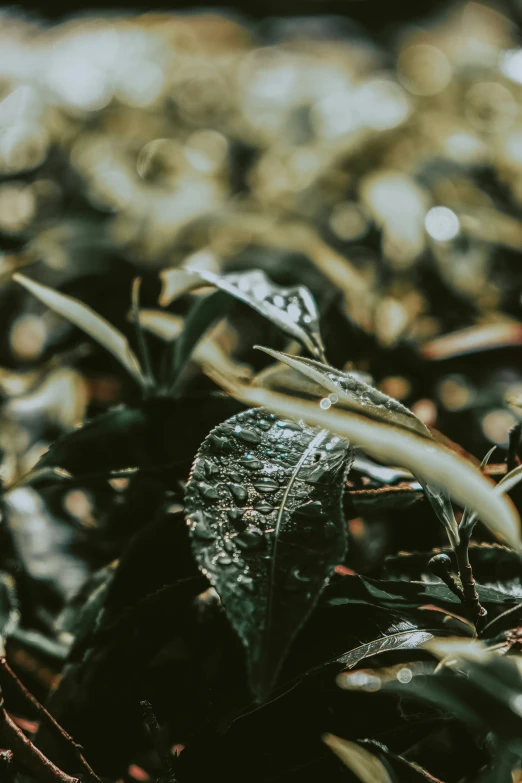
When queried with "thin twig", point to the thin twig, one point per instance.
{"points": [[28, 754], [8, 676]]}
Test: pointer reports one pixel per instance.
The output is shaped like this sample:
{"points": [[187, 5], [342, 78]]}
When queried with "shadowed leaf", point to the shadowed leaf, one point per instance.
{"points": [[264, 507]]}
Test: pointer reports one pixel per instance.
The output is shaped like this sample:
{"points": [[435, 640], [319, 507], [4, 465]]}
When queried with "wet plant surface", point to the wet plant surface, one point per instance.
{"points": [[260, 401]]}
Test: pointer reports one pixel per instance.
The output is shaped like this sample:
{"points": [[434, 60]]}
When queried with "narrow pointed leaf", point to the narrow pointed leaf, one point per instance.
{"points": [[353, 393], [405, 640], [201, 318], [367, 767], [505, 484], [263, 504], [292, 309], [427, 459], [90, 322]]}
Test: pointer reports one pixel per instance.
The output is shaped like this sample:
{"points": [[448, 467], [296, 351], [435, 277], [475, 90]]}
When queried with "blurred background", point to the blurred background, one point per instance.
{"points": [[368, 153]]}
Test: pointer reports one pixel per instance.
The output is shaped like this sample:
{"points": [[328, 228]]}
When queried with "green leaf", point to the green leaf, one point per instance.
{"points": [[200, 319], [506, 484], [160, 434], [356, 395], [433, 463], [403, 640], [208, 352], [90, 322], [264, 507], [292, 309], [353, 393]]}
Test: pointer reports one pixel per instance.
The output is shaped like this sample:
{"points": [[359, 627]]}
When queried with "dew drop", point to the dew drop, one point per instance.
{"points": [[246, 582], [211, 470], [263, 507], [248, 435], [267, 484], [236, 516], [289, 425], [251, 462], [223, 559], [219, 444], [252, 538], [208, 491], [239, 492]]}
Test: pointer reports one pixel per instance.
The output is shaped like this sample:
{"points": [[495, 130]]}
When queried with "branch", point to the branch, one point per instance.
{"points": [[8, 677], [27, 754]]}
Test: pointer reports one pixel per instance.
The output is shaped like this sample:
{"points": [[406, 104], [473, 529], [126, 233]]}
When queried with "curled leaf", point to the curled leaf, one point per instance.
{"points": [[263, 504], [90, 322], [367, 767], [353, 393], [430, 461], [292, 309]]}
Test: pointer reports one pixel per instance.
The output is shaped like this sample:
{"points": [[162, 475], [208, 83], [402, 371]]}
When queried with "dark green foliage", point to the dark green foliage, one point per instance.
{"points": [[264, 508]]}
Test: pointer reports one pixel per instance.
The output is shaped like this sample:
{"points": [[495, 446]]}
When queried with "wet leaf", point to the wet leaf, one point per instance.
{"points": [[264, 507], [404, 640], [90, 322], [292, 309], [365, 765], [430, 461], [353, 393]]}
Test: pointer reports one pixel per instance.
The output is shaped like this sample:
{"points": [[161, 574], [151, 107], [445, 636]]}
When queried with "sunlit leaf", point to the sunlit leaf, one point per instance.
{"points": [[505, 484], [90, 322], [427, 459], [292, 309], [365, 765], [353, 393], [264, 507]]}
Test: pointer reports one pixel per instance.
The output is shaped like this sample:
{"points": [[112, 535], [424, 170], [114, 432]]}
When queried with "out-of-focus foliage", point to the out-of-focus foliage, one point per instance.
{"points": [[351, 201]]}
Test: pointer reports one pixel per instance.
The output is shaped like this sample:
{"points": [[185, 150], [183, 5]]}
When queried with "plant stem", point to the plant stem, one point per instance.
{"points": [[28, 754], [470, 595]]}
